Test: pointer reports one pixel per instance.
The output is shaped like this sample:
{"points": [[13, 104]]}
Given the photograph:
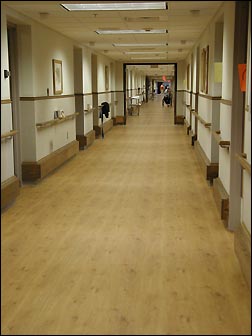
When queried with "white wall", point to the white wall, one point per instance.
{"points": [[227, 79], [7, 157], [246, 197]]}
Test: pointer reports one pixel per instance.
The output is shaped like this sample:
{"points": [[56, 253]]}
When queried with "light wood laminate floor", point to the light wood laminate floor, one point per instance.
{"points": [[125, 238]]}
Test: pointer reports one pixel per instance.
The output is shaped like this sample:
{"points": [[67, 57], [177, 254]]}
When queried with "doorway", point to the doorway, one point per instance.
{"points": [[155, 73]]}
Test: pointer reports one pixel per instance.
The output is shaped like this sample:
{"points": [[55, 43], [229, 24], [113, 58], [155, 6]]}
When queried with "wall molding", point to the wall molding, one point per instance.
{"points": [[242, 247], [210, 97], [9, 191], [32, 171], [46, 97], [226, 102], [106, 127], [86, 140], [210, 170], [6, 101], [221, 198]]}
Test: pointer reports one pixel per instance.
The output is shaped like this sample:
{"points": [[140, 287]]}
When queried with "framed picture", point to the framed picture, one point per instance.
{"points": [[57, 77], [188, 77], [106, 78], [204, 69]]}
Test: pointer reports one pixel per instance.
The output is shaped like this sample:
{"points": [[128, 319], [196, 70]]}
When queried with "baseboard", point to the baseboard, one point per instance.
{"points": [[106, 127], [32, 171], [210, 170], [221, 198], [9, 191], [120, 120], [179, 119], [86, 140], [242, 247]]}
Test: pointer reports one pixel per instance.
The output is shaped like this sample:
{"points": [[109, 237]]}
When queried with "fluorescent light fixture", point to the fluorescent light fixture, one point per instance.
{"points": [[140, 44], [144, 52], [132, 31], [146, 58], [118, 6]]}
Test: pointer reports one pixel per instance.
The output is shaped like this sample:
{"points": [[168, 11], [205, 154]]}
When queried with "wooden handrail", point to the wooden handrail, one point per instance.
{"points": [[206, 124], [9, 134], [242, 158], [53, 122], [86, 111], [221, 143]]}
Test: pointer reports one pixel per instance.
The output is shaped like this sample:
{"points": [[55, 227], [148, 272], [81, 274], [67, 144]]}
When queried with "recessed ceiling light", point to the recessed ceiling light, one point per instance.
{"points": [[116, 6], [133, 31], [146, 58], [139, 44], [143, 52]]}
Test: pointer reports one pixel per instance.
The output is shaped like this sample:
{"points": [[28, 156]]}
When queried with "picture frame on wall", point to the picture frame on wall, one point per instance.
{"points": [[57, 76], [106, 78], [204, 69]]}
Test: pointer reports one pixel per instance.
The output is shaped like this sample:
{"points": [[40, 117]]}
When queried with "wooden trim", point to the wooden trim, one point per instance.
{"points": [[242, 158], [53, 122], [210, 170], [179, 120], [203, 122], [6, 101], [226, 102], [195, 93], [46, 97], [120, 120], [9, 191], [220, 142], [86, 140], [210, 97], [221, 198], [9, 134], [242, 247], [32, 171], [106, 127]]}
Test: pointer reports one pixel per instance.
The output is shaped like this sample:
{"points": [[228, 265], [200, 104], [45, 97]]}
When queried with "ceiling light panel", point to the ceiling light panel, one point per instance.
{"points": [[143, 52], [140, 44], [116, 6], [132, 31]]}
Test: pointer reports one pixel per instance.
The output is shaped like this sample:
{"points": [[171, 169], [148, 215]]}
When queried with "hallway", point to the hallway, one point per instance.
{"points": [[153, 259]]}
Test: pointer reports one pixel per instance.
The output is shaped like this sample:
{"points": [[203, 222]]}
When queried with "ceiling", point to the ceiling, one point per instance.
{"points": [[184, 20]]}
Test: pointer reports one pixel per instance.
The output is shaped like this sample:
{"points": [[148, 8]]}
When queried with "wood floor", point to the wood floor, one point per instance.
{"points": [[125, 238]]}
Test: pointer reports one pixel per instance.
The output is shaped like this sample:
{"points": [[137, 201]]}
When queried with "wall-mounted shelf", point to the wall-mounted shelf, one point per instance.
{"points": [[53, 122], [203, 122], [242, 158], [8, 135], [221, 143]]}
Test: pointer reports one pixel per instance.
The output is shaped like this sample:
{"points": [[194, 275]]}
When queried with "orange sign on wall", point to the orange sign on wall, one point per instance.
{"points": [[242, 76], [164, 78]]}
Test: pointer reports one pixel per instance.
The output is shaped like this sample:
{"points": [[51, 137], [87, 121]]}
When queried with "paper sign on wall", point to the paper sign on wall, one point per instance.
{"points": [[218, 72], [242, 76]]}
